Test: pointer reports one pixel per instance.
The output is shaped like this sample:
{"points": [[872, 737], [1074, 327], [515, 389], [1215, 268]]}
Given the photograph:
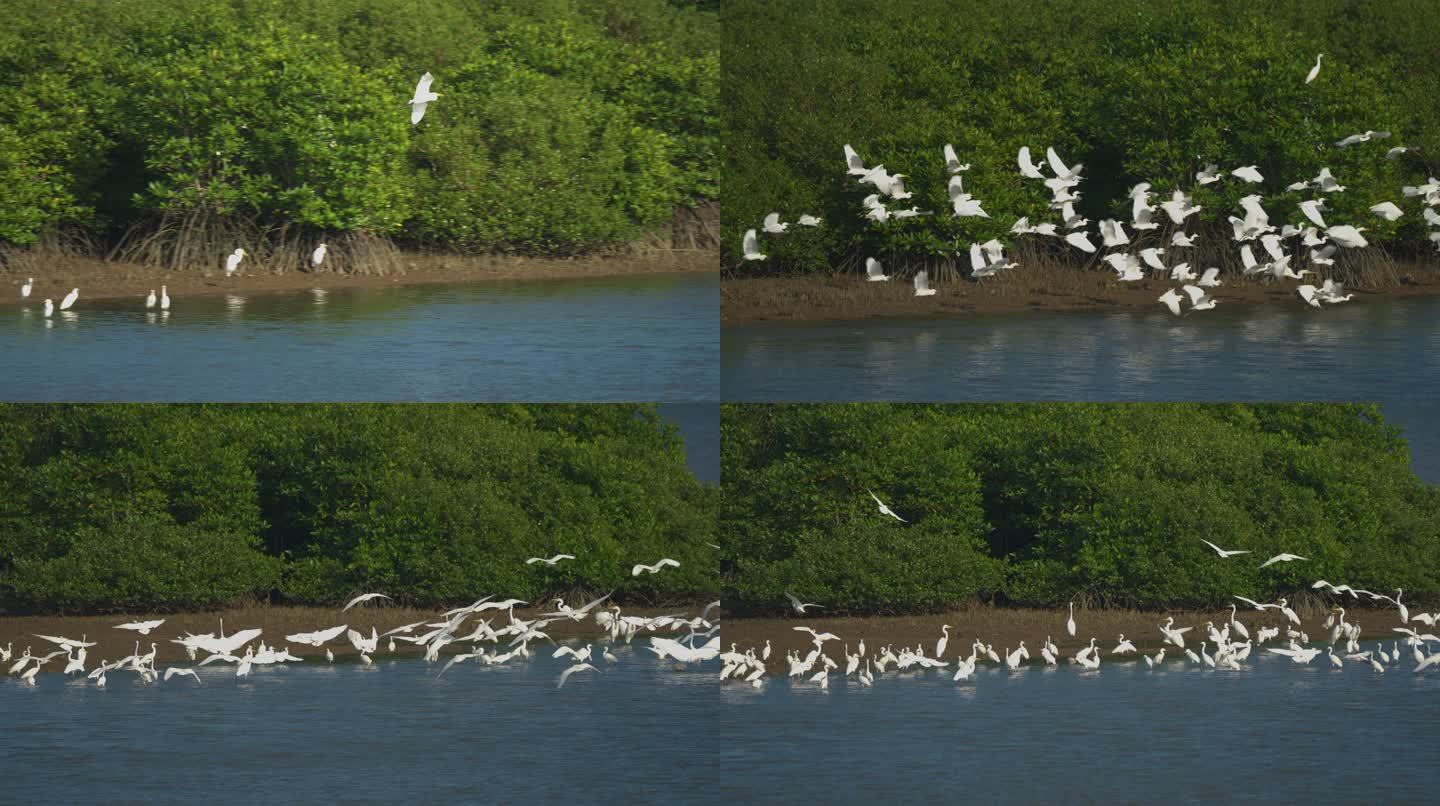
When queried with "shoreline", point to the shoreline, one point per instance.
{"points": [[98, 279], [833, 298], [1005, 628], [277, 622]]}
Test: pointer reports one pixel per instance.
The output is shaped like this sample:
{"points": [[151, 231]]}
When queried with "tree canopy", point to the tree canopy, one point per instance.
{"points": [[1039, 504], [145, 507]]}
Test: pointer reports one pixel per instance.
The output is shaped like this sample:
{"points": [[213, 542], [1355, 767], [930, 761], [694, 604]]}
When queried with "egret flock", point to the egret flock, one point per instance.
{"points": [[1226, 645], [458, 635], [1152, 246], [418, 104]]}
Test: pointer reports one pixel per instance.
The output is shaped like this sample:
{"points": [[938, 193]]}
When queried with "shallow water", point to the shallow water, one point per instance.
{"points": [[314, 732], [1381, 350], [1275, 731], [651, 337]]}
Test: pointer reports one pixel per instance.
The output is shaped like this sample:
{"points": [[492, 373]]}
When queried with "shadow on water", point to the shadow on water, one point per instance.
{"points": [[651, 337]]}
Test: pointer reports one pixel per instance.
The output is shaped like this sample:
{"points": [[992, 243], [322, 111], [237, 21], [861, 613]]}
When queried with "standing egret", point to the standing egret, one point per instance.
{"points": [[25, 289], [318, 256], [422, 99], [1070, 622], [150, 300], [233, 261], [49, 308], [164, 299], [70, 299], [944, 639], [1314, 71]]}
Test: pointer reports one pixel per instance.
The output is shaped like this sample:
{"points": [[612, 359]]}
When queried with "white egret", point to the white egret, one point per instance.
{"points": [[550, 561], [797, 605], [1224, 552], [1028, 168], [1282, 558], [141, 627], [1314, 71], [1210, 279], [807, 220], [653, 569], [1364, 137], [423, 98], [1070, 622], [25, 289], [1079, 241], [1387, 210], [318, 256], [1171, 300], [772, 224], [69, 299], [1249, 173], [750, 246], [150, 300], [1199, 300], [922, 285], [233, 261], [164, 299], [885, 510], [364, 597]]}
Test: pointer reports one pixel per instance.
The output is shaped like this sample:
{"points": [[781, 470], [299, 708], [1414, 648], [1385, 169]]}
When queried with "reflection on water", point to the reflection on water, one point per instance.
{"points": [[1380, 349], [313, 732], [650, 337], [1121, 734]]}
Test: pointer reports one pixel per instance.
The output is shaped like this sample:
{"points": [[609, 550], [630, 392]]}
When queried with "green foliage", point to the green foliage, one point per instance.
{"points": [[562, 126], [160, 507], [1037, 504], [1135, 90]]}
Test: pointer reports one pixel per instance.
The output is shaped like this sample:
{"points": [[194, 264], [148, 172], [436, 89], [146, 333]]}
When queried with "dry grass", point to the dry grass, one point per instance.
{"points": [[1006, 628]]}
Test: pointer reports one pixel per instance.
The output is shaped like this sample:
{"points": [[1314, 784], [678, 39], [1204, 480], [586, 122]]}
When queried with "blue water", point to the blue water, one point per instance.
{"points": [[1375, 350], [646, 338], [1275, 732], [317, 733]]}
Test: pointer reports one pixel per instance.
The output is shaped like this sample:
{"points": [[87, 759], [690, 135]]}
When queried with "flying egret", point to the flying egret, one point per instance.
{"points": [[1249, 173], [922, 285], [750, 246], [1283, 558], [1171, 300], [1224, 552], [69, 299], [1079, 241], [807, 220], [853, 165], [1387, 210], [422, 99], [1028, 168], [364, 597], [653, 569], [550, 561], [1362, 138], [797, 605], [1210, 279], [1314, 71], [142, 627], [772, 224], [1199, 300], [173, 671], [874, 272], [1347, 236], [885, 510], [318, 256]]}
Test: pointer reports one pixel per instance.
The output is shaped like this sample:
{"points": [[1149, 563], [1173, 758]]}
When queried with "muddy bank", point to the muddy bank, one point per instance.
{"points": [[1005, 629], [97, 279], [277, 622], [847, 297]]}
